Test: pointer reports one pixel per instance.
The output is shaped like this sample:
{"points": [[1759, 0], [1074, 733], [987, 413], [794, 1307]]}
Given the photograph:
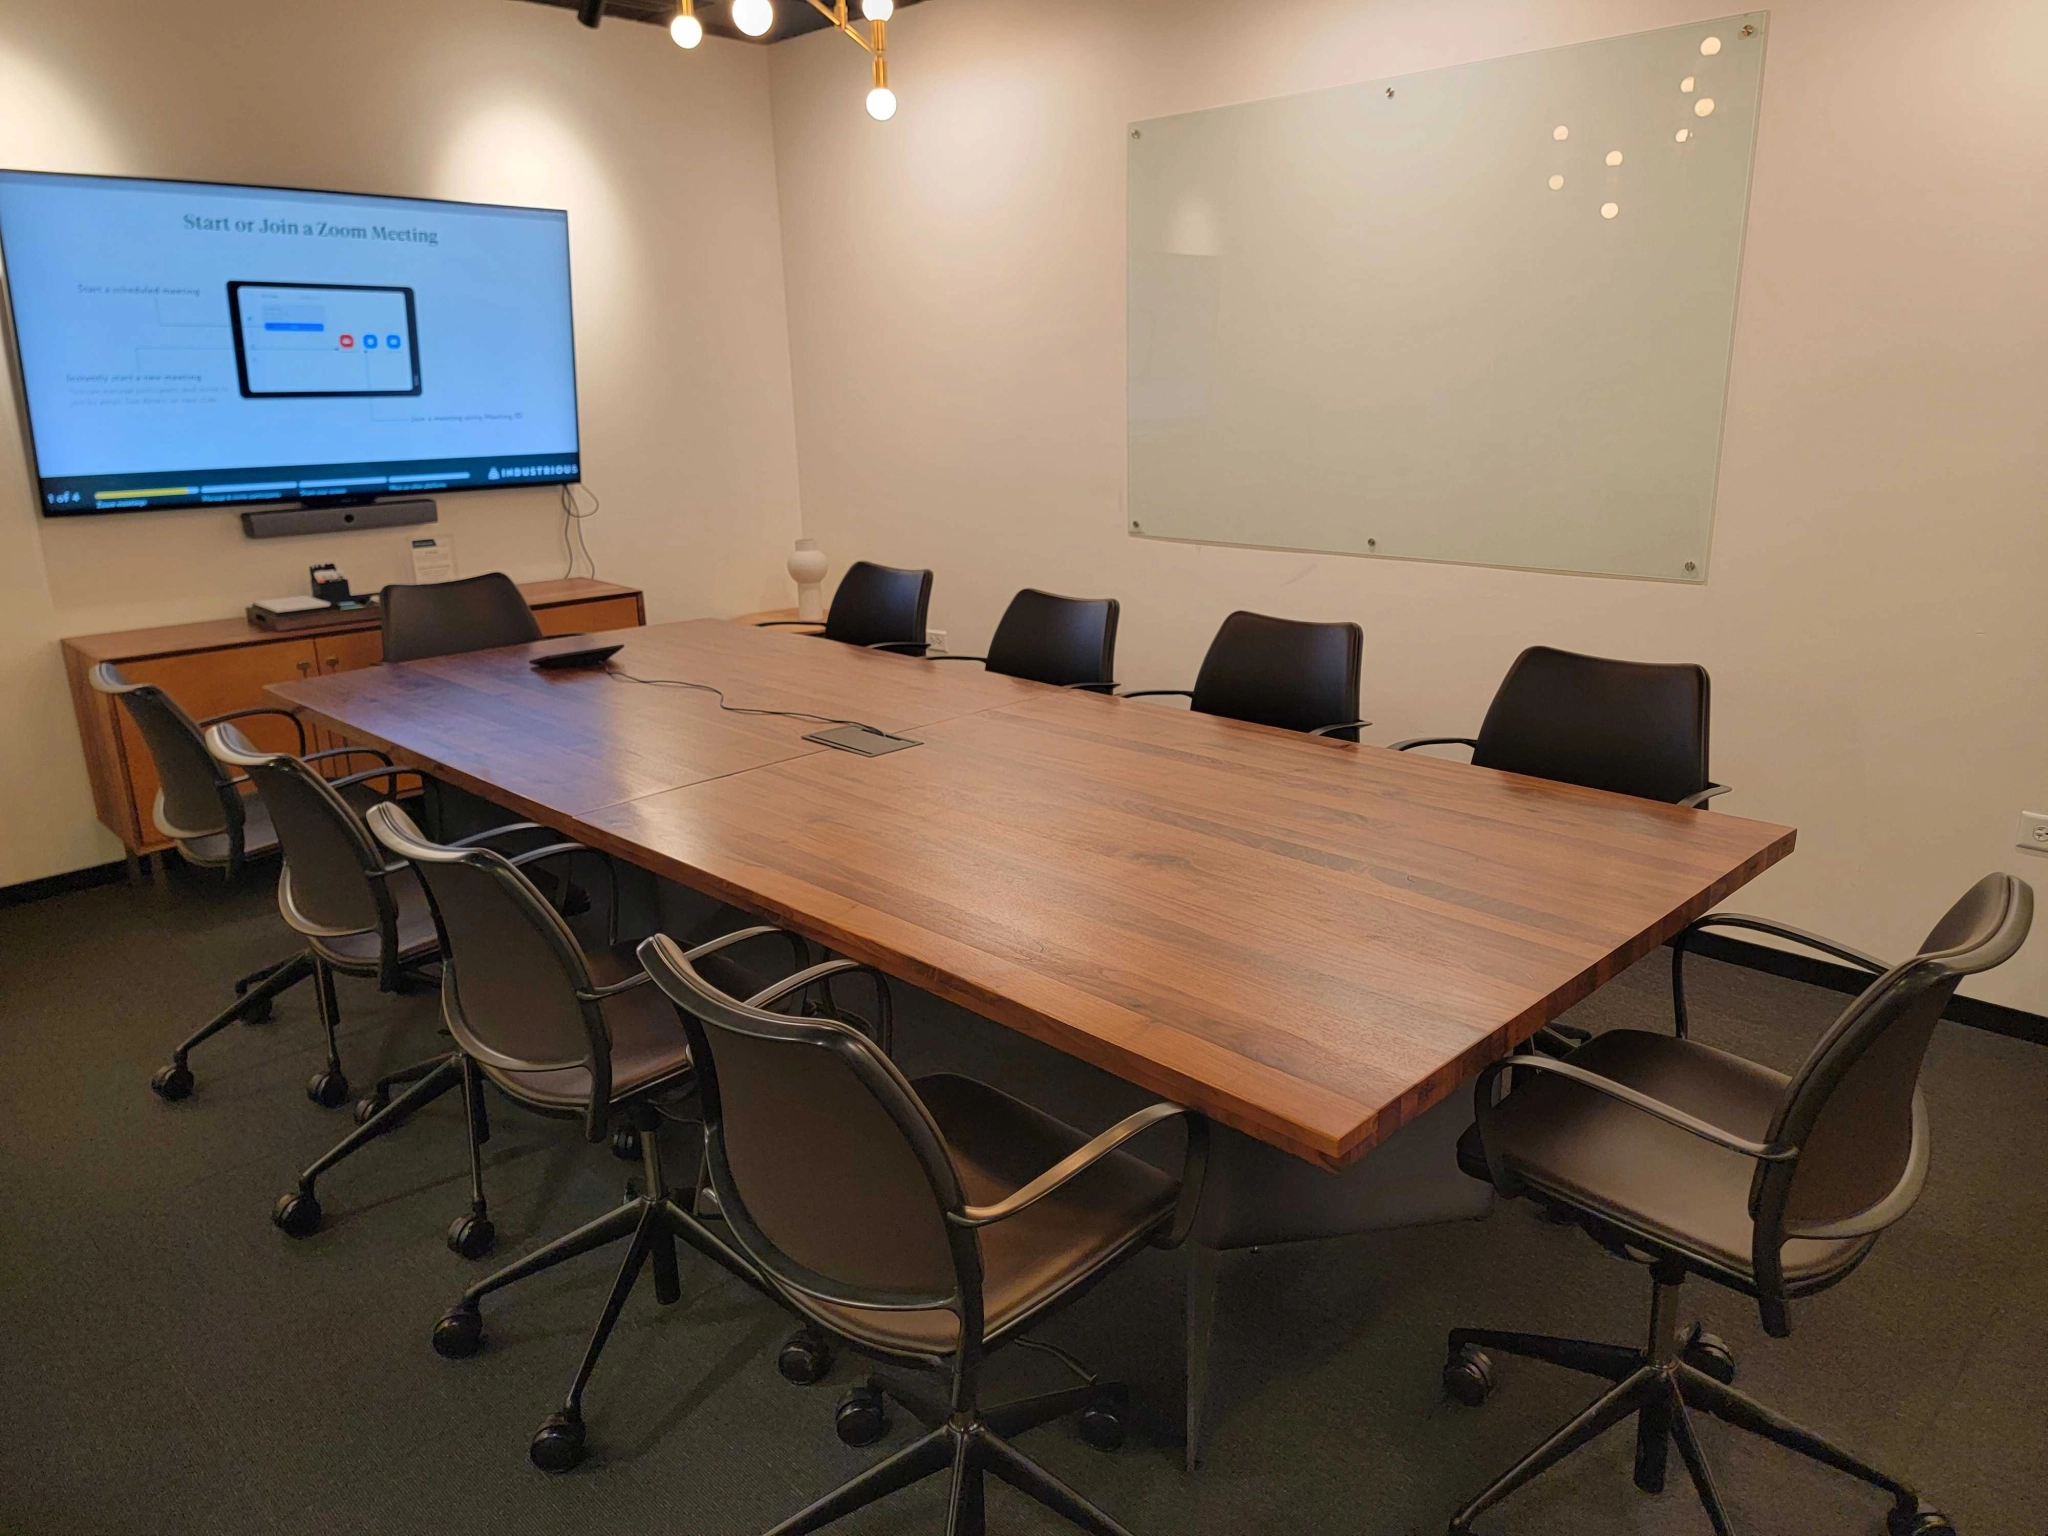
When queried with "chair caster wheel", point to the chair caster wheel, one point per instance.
{"points": [[471, 1236], [626, 1145], [861, 1418], [327, 1089], [297, 1214], [1468, 1375], [259, 1013], [370, 1106], [557, 1444], [459, 1334], [1102, 1422], [1710, 1355], [1918, 1520], [806, 1358], [172, 1083]]}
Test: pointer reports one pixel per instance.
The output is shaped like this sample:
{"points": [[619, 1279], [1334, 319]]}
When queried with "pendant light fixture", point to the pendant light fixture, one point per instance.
{"points": [[757, 17]]}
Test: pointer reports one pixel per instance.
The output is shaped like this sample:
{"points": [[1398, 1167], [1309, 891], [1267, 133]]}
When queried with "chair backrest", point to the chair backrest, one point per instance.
{"points": [[874, 604], [198, 798], [446, 618], [1853, 1108], [515, 987], [1634, 727], [1297, 675], [1057, 640], [833, 1175], [334, 872]]}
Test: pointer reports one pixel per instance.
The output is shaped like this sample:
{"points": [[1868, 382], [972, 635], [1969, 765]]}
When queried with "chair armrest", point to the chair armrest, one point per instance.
{"points": [[1342, 725], [315, 757], [907, 647], [1068, 1167], [1703, 796], [1108, 688], [1800, 936], [599, 994], [1433, 741], [943, 656], [1156, 693], [559, 850], [884, 1031], [476, 839], [1670, 1114], [388, 771], [787, 623], [261, 709], [768, 996]]}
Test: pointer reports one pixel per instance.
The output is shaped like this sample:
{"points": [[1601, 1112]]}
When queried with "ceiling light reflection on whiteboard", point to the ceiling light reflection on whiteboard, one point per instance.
{"points": [[1704, 107], [1609, 210]]}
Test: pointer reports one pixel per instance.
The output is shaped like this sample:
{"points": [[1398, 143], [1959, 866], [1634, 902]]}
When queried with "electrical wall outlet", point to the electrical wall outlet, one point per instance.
{"points": [[936, 640], [2034, 831]]}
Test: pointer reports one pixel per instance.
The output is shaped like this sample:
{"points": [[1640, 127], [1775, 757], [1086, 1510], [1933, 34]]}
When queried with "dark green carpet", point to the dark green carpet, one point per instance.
{"points": [[170, 1363]]}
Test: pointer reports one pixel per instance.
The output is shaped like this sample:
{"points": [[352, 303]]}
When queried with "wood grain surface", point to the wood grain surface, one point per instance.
{"points": [[1310, 941]]}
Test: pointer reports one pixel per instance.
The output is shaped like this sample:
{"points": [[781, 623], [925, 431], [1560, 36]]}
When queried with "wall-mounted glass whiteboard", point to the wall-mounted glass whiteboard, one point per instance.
{"points": [[1481, 314]]}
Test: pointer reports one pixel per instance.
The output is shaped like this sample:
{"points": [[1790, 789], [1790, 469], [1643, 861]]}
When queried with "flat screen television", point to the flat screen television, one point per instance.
{"points": [[183, 343]]}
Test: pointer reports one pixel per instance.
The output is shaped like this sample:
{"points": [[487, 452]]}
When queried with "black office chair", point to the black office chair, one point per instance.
{"points": [[1696, 1162], [574, 1033], [1069, 642], [1634, 727], [924, 1223], [877, 606], [360, 913], [1299, 676], [446, 618], [201, 808]]}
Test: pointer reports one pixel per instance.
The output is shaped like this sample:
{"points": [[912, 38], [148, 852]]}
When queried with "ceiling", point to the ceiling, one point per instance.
{"points": [[793, 18]]}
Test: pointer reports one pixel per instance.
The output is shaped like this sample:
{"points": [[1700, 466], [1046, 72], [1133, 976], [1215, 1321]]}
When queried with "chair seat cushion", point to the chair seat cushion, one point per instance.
{"points": [[999, 1144], [258, 837], [417, 939], [1601, 1156], [650, 1052]]}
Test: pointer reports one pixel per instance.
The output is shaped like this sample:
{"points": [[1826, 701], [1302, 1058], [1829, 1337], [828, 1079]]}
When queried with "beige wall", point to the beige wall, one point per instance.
{"points": [[1875, 621], [665, 165]]}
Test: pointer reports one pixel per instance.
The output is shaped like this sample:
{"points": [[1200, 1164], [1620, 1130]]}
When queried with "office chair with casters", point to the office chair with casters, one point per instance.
{"points": [[1069, 642], [1697, 1162], [360, 913], [924, 1224], [1296, 675], [199, 806], [213, 825], [447, 618], [1633, 727], [877, 606], [572, 1033]]}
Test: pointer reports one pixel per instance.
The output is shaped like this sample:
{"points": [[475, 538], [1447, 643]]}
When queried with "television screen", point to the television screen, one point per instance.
{"points": [[186, 344]]}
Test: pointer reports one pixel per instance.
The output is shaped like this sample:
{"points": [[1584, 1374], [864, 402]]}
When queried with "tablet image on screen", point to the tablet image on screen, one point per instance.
{"points": [[295, 340]]}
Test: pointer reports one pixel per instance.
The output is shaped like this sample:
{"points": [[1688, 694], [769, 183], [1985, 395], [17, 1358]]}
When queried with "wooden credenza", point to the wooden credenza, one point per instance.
{"points": [[219, 665]]}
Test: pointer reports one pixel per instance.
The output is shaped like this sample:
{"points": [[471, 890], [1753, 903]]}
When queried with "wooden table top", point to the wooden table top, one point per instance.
{"points": [[1310, 941]]}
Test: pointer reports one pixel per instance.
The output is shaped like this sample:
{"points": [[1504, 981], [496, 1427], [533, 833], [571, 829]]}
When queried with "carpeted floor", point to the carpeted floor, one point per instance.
{"points": [[171, 1363]]}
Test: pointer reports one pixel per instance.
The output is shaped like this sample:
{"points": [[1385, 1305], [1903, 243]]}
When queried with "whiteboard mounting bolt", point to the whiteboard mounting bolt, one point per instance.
{"points": [[1748, 30], [1372, 543], [1690, 566], [1135, 134], [1390, 93]]}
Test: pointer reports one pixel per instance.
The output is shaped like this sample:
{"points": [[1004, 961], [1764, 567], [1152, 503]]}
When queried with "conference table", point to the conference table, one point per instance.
{"points": [[1314, 943]]}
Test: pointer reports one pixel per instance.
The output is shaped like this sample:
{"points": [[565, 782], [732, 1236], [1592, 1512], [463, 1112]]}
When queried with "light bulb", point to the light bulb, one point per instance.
{"points": [[753, 17], [878, 10], [881, 103], [688, 31]]}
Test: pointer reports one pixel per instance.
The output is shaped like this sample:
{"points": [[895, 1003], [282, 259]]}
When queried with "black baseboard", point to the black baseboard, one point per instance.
{"points": [[56, 885], [1973, 1011]]}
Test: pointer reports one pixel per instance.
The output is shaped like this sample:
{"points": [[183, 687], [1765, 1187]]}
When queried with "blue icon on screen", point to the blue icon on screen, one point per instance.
{"points": [[391, 342], [370, 342]]}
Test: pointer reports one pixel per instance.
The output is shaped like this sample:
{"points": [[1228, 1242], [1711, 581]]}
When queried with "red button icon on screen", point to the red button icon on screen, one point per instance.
{"points": [[347, 341]]}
